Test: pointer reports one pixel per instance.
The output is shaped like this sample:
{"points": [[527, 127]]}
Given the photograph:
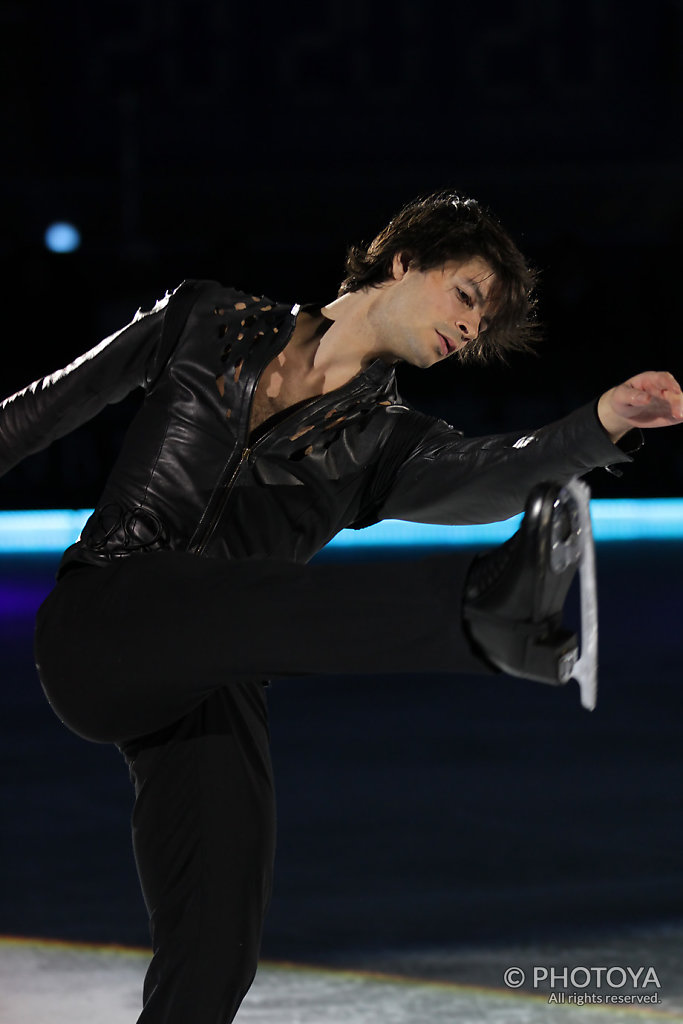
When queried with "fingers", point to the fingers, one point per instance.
{"points": [[675, 400], [655, 380], [658, 385], [653, 398]]}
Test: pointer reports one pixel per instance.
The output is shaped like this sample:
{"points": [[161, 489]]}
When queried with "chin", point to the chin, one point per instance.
{"points": [[423, 360]]}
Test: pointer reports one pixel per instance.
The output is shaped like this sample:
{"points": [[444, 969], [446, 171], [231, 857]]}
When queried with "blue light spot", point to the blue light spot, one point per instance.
{"points": [[62, 237]]}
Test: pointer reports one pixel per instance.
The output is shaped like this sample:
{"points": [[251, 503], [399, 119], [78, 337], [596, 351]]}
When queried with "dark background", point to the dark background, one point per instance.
{"points": [[252, 143]]}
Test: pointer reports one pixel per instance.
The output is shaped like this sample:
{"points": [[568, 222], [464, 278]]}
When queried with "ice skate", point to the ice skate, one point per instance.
{"points": [[515, 595]]}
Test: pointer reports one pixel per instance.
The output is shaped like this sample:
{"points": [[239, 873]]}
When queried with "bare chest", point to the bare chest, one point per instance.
{"points": [[292, 377], [277, 390]]}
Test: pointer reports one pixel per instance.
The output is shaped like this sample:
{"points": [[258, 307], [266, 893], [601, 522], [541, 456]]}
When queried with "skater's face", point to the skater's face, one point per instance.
{"points": [[428, 315]]}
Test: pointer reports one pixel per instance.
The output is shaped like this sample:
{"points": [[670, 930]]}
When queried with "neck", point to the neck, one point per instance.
{"points": [[351, 343]]}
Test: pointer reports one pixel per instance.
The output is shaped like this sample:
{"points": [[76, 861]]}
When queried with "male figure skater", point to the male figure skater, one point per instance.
{"points": [[265, 430]]}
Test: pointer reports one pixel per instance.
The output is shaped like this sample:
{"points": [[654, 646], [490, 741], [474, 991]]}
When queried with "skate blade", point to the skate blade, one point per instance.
{"points": [[585, 671]]}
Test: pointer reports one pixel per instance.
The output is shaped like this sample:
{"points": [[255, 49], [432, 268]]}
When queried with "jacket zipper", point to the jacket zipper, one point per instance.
{"points": [[199, 546], [218, 511], [244, 457], [249, 450]]}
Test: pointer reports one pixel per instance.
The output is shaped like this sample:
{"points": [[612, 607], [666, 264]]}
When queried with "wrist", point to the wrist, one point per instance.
{"points": [[614, 424]]}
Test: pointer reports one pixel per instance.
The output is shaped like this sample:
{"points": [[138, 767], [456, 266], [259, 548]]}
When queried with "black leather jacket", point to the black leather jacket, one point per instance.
{"points": [[191, 478]]}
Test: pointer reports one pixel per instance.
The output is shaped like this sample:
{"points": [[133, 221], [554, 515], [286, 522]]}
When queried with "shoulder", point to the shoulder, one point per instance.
{"points": [[409, 421], [230, 306], [226, 297]]}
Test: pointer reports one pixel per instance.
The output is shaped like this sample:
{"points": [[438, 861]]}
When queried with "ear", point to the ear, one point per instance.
{"points": [[399, 266]]}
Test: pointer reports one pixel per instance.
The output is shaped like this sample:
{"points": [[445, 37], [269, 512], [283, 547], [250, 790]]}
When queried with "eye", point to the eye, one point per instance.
{"points": [[464, 297]]}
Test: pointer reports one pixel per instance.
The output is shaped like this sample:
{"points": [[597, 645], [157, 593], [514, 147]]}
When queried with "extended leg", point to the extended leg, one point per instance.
{"points": [[127, 649]]}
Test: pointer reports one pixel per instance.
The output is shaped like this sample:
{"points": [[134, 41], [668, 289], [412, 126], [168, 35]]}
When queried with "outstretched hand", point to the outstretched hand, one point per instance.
{"points": [[650, 399]]}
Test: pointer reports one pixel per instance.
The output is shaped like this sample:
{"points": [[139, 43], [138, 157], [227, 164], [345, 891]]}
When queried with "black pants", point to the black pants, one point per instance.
{"points": [[165, 654]]}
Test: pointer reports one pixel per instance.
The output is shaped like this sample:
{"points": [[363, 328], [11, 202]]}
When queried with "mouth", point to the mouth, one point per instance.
{"points": [[447, 345]]}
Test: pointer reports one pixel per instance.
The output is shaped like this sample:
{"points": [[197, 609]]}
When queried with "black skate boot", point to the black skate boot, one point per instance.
{"points": [[514, 595]]}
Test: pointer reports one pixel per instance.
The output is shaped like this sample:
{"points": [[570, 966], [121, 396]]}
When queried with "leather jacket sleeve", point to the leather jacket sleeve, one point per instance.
{"points": [[449, 479], [60, 402]]}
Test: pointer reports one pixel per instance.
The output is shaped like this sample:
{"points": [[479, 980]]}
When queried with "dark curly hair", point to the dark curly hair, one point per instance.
{"points": [[443, 226]]}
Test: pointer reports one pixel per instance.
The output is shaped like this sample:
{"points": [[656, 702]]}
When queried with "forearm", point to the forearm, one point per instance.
{"points": [[451, 480]]}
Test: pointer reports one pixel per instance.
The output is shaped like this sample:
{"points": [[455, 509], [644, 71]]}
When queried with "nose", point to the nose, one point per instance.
{"points": [[468, 325]]}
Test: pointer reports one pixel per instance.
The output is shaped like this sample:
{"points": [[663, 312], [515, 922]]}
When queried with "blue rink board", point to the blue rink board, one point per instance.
{"points": [[46, 531]]}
